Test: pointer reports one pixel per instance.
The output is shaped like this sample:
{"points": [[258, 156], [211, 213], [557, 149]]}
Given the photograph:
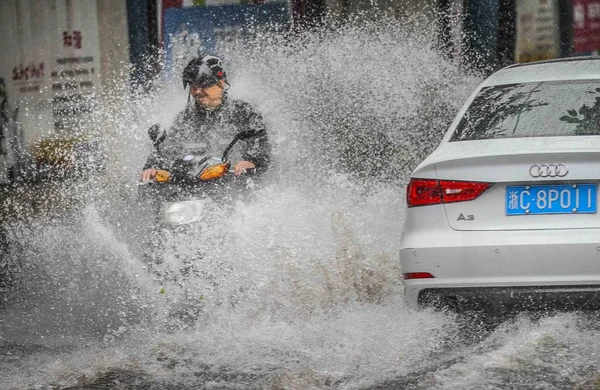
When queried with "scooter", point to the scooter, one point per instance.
{"points": [[188, 205], [196, 180]]}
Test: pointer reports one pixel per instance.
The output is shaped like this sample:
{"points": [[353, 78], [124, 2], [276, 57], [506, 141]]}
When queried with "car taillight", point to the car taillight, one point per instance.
{"points": [[461, 191], [424, 192], [418, 275]]}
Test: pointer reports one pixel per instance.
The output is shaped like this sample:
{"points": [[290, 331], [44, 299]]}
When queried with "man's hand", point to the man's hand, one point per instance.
{"points": [[242, 166], [148, 174]]}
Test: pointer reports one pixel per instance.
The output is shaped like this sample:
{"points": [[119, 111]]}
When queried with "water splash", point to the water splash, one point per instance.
{"points": [[304, 290]]}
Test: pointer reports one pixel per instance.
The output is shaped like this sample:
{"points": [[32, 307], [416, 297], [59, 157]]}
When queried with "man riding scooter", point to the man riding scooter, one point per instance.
{"points": [[212, 120]]}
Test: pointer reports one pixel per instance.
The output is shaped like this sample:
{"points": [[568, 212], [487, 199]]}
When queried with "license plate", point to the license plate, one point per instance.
{"points": [[551, 199]]}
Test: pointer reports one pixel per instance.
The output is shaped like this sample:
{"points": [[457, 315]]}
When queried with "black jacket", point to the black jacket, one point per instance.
{"points": [[197, 128]]}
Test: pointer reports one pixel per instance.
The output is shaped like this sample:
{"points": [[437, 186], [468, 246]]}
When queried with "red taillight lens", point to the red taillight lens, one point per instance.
{"points": [[423, 192], [418, 275]]}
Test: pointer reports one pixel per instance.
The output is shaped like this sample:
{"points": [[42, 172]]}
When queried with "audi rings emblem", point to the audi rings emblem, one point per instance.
{"points": [[548, 170]]}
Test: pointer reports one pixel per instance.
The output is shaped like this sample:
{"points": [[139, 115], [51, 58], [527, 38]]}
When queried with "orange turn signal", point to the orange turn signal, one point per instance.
{"points": [[214, 172], [162, 176]]}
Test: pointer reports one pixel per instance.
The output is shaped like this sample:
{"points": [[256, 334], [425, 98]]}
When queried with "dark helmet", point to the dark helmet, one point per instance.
{"points": [[203, 71]]}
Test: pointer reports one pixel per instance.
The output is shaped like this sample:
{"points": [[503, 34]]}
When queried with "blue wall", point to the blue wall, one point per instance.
{"points": [[481, 26], [139, 40]]}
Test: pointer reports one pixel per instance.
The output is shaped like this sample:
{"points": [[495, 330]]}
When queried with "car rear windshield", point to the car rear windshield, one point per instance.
{"points": [[541, 109]]}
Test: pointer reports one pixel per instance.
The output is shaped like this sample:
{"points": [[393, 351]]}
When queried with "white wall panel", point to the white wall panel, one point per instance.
{"points": [[50, 62]]}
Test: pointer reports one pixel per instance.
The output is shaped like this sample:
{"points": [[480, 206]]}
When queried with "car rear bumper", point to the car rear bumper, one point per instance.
{"points": [[575, 297], [505, 267]]}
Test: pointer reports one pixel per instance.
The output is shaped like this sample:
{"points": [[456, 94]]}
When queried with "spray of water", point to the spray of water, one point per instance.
{"points": [[296, 286]]}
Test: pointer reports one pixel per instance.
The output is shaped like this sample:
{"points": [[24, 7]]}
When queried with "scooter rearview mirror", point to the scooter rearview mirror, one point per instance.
{"points": [[157, 134], [239, 136]]}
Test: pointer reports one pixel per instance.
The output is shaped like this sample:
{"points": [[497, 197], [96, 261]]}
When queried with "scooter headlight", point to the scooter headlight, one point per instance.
{"points": [[184, 212]]}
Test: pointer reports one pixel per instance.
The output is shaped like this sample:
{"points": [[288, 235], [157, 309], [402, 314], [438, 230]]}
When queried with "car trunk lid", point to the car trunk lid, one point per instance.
{"points": [[548, 183]]}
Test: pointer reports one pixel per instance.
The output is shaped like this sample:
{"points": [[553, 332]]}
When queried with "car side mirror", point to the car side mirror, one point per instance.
{"points": [[157, 134]]}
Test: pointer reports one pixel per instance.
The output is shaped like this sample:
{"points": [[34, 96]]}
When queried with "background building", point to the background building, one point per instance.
{"points": [[496, 33], [57, 59]]}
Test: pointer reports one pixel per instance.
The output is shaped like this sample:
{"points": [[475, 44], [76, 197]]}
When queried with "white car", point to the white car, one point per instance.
{"points": [[505, 210]]}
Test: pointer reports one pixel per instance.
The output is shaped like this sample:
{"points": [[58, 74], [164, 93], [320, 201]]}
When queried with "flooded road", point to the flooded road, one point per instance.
{"points": [[297, 286]]}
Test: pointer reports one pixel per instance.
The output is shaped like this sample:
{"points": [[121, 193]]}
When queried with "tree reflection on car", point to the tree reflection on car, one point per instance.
{"points": [[586, 118]]}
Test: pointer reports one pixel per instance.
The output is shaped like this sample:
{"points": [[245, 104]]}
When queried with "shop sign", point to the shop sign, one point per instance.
{"points": [[538, 33], [586, 25]]}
